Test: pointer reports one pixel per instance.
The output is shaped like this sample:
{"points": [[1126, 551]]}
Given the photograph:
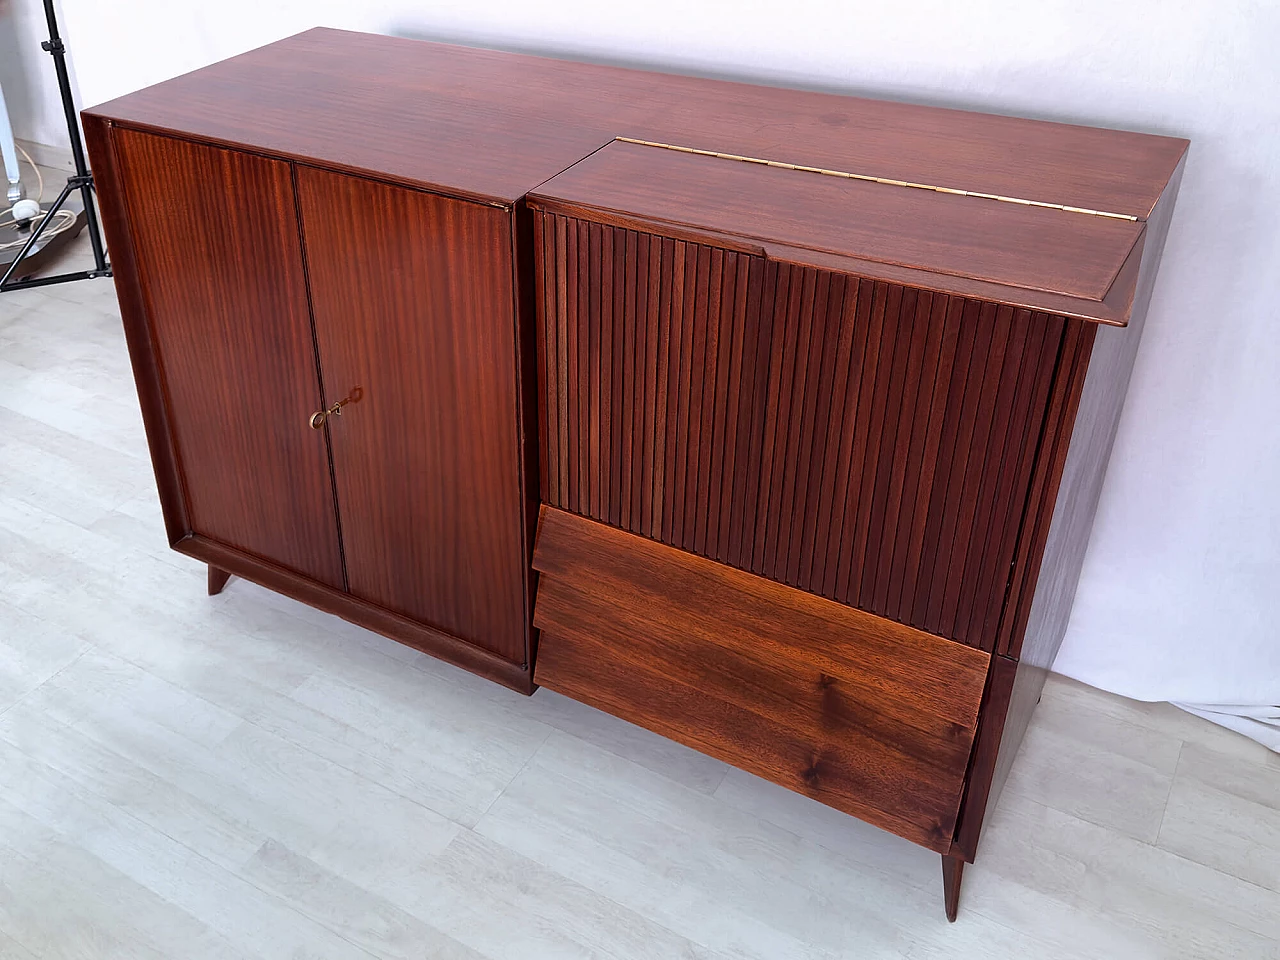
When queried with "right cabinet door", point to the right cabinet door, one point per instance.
{"points": [[414, 318]]}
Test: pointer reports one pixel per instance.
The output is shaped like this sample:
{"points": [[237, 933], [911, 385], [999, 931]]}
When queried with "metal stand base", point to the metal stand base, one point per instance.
{"points": [[81, 180]]}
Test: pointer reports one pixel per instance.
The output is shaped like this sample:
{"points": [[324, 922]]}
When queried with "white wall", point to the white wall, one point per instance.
{"points": [[1181, 591], [26, 74]]}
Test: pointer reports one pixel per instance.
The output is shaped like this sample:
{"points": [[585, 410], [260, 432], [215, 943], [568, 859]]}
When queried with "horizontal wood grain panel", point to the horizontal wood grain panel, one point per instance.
{"points": [[868, 442], [1071, 254], [864, 714]]}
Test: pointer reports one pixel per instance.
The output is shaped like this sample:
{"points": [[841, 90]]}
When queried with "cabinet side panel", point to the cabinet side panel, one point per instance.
{"points": [[413, 304], [529, 385], [142, 355], [215, 239]]}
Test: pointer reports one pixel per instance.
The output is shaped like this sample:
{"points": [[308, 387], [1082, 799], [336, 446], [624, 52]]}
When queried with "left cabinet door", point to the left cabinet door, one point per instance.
{"points": [[215, 237]]}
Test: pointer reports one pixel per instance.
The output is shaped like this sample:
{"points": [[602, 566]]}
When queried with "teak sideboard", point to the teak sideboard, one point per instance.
{"points": [[772, 421]]}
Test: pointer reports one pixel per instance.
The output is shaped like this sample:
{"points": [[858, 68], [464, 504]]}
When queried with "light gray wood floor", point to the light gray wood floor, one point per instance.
{"points": [[240, 776]]}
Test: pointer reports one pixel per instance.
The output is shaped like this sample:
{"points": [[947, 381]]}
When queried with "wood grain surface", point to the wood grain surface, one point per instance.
{"points": [[215, 240], [1059, 252], [109, 186], [413, 310], [864, 441], [864, 714], [986, 751], [952, 872], [495, 125]]}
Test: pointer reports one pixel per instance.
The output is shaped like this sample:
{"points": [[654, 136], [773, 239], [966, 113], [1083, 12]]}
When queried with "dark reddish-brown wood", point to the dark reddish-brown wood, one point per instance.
{"points": [[495, 125], [1054, 443], [528, 395], [412, 299], [952, 874], [1115, 309], [982, 763], [863, 441], [864, 714], [1009, 244], [768, 388], [227, 315], [217, 580], [142, 354]]}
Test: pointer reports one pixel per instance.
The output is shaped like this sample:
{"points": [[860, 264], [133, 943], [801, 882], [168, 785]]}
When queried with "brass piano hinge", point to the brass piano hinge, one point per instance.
{"points": [[870, 179]]}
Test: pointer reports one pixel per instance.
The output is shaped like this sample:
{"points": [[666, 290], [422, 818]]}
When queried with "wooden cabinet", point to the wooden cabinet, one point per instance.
{"points": [[781, 416]]}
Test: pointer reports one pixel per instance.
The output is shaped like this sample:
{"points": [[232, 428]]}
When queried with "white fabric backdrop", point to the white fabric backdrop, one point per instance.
{"points": [[1180, 598]]}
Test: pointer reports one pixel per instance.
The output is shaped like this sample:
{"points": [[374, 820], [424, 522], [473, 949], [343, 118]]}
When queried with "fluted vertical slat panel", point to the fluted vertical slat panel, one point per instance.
{"points": [[545, 352], [862, 440], [591, 469]]}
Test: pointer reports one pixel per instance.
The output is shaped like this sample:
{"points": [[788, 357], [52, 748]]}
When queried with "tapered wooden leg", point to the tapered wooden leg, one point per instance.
{"points": [[217, 580], [952, 870]]}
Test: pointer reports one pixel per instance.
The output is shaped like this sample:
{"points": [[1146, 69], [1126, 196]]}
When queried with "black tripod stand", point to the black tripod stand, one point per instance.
{"points": [[81, 180]]}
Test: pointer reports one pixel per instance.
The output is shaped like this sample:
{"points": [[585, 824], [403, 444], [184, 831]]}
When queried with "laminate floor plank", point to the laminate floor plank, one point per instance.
{"points": [[673, 760], [78, 344], [411, 734], [133, 789], [349, 910], [232, 910], [1162, 718], [1224, 811], [59, 901], [1187, 908], [669, 853], [1101, 769], [1226, 831], [10, 949], [507, 905], [90, 411], [1237, 765], [69, 487], [242, 776], [817, 823], [247, 774], [32, 652], [19, 303]]}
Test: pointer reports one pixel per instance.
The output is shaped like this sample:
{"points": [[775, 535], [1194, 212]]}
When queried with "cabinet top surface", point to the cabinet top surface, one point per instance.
{"points": [[1031, 248], [493, 126]]}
